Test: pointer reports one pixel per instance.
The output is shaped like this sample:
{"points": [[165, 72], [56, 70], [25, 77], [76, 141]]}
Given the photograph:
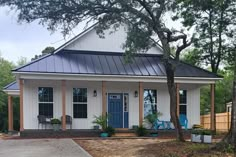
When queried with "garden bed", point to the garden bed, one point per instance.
{"points": [[147, 147]]}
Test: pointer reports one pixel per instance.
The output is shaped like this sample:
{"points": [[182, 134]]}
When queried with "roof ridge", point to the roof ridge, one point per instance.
{"points": [[105, 53]]}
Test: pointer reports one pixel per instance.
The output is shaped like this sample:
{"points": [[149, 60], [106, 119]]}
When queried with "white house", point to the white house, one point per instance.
{"points": [[87, 76]]}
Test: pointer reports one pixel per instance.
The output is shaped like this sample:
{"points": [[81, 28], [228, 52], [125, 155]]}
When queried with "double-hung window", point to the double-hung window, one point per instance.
{"points": [[150, 101], [183, 102], [45, 99], [80, 102]]}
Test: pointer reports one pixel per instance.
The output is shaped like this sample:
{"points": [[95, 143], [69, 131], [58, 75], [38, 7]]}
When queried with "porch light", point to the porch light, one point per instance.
{"points": [[94, 93], [136, 94]]}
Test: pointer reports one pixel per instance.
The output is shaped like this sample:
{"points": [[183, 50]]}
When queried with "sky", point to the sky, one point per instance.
{"points": [[29, 39], [26, 40]]}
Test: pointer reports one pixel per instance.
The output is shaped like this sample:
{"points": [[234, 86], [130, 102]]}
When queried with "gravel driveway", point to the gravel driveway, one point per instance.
{"points": [[41, 148]]}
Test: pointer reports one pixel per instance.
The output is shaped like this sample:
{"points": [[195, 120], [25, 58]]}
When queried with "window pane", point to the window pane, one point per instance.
{"points": [[126, 103], [80, 110], [150, 100], [183, 109], [79, 94], [183, 97], [46, 109], [45, 94]]}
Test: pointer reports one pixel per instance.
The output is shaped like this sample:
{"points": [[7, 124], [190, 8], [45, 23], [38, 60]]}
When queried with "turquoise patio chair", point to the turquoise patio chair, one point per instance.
{"points": [[183, 121], [158, 124]]}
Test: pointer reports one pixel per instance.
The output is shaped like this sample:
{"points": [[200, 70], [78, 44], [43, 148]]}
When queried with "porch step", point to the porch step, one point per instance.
{"points": [[124, 134]]}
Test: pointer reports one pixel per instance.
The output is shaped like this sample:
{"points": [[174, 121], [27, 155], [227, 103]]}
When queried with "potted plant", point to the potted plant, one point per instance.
{"points": [[102, 122], [110, 130], [151, 119], [55, 124], [201, 136]]}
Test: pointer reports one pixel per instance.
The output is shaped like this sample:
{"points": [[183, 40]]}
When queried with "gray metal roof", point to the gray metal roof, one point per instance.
{"points": [[108, 63], [12, 86]]}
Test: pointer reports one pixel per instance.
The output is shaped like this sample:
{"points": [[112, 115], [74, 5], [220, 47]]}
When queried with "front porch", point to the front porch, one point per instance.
{"points": [[97, 103], [90, 134]]}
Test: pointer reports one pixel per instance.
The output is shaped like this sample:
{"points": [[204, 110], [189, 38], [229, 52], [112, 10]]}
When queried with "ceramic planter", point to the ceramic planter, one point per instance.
{"points": [[207, 138], [56, 127], [154, 134], [104, 134], [201, 138], [196, 138]]}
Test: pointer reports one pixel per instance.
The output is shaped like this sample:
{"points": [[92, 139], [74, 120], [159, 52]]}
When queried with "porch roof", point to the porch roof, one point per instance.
{"points": [[12, 86], [12, 89], [108, 63]]}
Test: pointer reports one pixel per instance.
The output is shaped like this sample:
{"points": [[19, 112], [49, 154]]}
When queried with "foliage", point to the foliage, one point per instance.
{"points": [[197, 126], [110, 130], [55, 121], [225, 147], [6, 77], [152, 117], [46, 51], [141, 131], [214, 27], [223, 93], [101, 121], [192, 57], [202, 132]]}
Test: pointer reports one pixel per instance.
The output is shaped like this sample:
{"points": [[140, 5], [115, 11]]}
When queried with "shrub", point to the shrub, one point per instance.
{"points": [[197, 126], [55, 121], [110, 130], [202, 132], [141, 131]]}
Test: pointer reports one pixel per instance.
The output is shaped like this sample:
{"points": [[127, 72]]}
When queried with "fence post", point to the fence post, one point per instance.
{"points": [[227, 120]]}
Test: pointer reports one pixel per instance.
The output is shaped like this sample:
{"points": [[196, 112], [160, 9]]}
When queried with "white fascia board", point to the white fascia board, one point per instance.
{"points": [[12, 92], [116, 78]]}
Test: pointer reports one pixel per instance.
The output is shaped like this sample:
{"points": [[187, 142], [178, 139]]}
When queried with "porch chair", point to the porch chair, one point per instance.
{"points": [[183, 121], [158, 123], [68, 120], [42, 120]]}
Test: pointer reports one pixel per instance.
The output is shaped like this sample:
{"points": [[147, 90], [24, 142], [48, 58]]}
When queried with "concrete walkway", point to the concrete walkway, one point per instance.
{"points": [[41, 148]]}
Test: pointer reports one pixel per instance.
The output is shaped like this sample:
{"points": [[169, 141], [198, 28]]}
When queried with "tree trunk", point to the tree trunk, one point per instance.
{"points": [[231, 136], [173, 100]]}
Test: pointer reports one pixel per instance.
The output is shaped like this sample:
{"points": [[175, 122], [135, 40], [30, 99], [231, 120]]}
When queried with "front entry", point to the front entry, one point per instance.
{"points": [[115, 110]]}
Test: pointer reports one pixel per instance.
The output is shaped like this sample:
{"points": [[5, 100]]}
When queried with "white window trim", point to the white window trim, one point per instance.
{"points": [[79, 103], [39, 102]]}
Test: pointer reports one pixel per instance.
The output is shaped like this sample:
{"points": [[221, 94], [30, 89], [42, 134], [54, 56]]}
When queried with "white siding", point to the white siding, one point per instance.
{"points": [[111, 43], [95, 103]]}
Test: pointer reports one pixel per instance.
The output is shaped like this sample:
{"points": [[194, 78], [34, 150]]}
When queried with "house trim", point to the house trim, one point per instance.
{"points": [[118, 78]]}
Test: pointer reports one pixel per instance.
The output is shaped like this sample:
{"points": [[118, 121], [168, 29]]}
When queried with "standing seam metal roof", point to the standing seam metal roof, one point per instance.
{"points": [[108, 63]]}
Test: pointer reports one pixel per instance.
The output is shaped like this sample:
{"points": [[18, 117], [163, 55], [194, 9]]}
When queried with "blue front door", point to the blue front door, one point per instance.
{"points": [[115, 110]]}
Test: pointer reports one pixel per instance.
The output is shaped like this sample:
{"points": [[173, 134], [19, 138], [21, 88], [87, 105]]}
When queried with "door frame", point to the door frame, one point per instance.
{"points": [[123, 93]]}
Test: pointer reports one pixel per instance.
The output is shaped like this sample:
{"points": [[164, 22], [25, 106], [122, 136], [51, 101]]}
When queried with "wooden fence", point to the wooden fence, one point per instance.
{"points": [[222, 121]]}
